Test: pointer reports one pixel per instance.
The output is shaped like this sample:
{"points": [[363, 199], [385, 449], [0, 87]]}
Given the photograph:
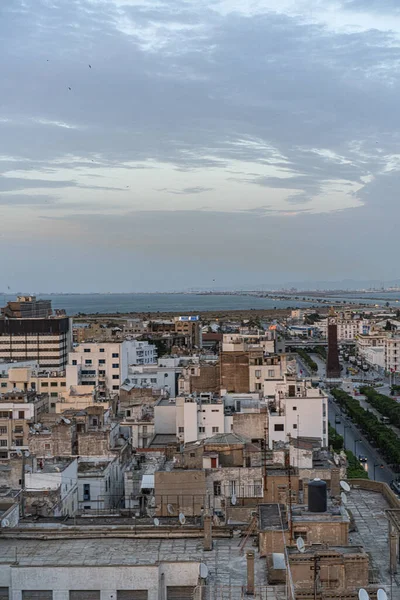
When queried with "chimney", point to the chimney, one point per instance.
{"points": [[250, 572], [208, 544], [335, 482]]}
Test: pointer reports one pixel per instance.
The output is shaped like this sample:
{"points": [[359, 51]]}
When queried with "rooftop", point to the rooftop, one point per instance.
{"points": [[161, 440], [94, 467], [55, 466]]}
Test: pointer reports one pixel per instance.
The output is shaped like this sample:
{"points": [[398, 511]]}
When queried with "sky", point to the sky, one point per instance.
{"points": [[156, 145]]}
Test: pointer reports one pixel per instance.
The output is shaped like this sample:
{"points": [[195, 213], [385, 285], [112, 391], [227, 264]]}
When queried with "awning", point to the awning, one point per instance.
{"points": [[147, 482]]}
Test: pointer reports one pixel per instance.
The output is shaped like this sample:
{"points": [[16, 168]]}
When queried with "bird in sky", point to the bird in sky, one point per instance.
{"points": [[90, 66], [70, 89]]}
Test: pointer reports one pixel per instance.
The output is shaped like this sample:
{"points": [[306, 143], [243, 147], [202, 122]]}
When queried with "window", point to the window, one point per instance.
{"points": [[88, 361], [102, 361], [52, 405], [271, 372], [115, 365], [302, 534], [53, 384], [294, 407], [54, 394], [192, 455], [86, 349], [21, 414], [86, 491], [181, 429], [202, 429], [3, 385], [215, 429], [102, 373], [257, 487], [258, 387], [144, 428], [145, 442], [324, 410], [128, 413], [324, 427], [294, 425], [215, 410], [278, 427], [4, 414], [101, 350], [45, 384], [115, 355], [115, 387], [19, 442], [115, 376], [74, 362], [3, 443], [258, 372], [217, 488], [232, 487], [63, 384], [3, 430]]}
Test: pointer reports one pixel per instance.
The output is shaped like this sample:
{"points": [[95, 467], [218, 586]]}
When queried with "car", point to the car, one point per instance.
{"points": [[362, 459], [395, 485], [337, 420]]}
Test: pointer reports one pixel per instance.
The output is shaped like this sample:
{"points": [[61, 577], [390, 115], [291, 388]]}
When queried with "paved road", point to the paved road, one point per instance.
{"points": [[357, 443]]}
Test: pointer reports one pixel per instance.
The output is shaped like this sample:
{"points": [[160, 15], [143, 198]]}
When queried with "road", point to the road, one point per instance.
{"points": [[357, 443]]}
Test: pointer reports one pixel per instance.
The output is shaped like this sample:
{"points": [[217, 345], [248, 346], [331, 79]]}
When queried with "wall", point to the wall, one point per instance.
{"points": [[104, 578], [277, 487], [208, 379], [185, 490], [251, 425], [235, 371], [93, 443], [165, 418]]}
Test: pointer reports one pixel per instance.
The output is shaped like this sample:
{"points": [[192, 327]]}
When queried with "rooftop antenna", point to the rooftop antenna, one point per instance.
{"points": [[345, 486], [301, 547]]}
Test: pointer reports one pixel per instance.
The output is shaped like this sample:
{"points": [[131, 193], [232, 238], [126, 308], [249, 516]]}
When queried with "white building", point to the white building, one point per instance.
{"points": [[59, 477], [298, 410], [199, 417], [106, 364], [392, 353], [100, 483], [156, 377], [347, 328]]}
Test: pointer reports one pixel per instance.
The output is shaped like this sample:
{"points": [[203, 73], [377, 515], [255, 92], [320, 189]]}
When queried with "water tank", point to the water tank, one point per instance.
{"points": [[317, 496]]}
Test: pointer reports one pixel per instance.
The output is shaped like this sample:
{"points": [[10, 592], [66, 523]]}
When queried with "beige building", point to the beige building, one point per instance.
{"points": [[18, 411]]}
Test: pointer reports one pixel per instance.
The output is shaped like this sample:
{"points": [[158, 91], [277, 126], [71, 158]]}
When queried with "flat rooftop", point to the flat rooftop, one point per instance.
{"points": [[96, 467], [226, 564], [54, 466]]}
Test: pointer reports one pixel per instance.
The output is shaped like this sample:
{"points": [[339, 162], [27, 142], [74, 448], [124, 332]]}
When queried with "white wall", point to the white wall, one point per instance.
{"points": [[165, 418]]}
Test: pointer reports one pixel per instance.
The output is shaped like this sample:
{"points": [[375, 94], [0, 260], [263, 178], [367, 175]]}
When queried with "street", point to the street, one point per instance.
{"points": [[357, 443]]}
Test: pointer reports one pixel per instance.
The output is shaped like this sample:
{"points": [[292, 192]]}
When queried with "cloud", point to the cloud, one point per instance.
{"points": [[25, 199], [188, 190], [8, 184]]}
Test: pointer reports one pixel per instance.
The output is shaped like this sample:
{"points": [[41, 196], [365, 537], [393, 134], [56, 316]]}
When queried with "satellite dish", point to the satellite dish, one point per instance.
{"points": [[203, 571], [5, 523], [150, 512], [381, 595], [182, 519], [363, 594], [343, 498], [156, 522], [345, 486], [300, 544], [66, 421], [170, 509], [27, 454], [19, 453], [233, 499]]}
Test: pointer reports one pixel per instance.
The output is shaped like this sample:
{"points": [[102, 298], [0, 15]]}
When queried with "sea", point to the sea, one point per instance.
{"points": [[75, 304]]}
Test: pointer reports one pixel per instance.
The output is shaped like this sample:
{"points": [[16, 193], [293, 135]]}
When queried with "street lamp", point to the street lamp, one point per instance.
{"points": [[355, 446], [377, 465], [344, 434]]}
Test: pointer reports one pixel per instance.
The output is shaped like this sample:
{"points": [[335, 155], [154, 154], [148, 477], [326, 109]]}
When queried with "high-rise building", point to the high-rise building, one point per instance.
{"points": [[332, 359], [29, 332]]}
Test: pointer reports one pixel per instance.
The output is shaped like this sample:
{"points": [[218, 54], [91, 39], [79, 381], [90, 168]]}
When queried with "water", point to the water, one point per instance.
{"points": [[125, 303]]}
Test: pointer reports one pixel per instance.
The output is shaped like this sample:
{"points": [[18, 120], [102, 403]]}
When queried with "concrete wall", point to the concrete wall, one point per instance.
{"points": [[106, 579], [185, 490], [251, 425], [165, 418]]}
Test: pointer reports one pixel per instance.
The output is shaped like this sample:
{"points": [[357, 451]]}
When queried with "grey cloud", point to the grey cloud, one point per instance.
{"points": [[188, 190], [8, 184], [25, 199]]}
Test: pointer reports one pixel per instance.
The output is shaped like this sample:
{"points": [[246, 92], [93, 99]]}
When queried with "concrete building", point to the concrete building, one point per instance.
{"points": [[18, 411], [199, 417], [392, 353], [52, 489], [349, 327], [46, 341], [298, 410], [28, 375], [264, 378], [27, 307], [105, 365], [100, 483]]}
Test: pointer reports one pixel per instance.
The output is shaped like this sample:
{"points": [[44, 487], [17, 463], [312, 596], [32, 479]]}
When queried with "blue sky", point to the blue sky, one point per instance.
{"points": [[149, 145]]}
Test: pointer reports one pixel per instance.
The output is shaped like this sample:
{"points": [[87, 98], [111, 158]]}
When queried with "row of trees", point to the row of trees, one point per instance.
{"points": [[378, 434], [355, 470], [387, 406], [307, 359]]}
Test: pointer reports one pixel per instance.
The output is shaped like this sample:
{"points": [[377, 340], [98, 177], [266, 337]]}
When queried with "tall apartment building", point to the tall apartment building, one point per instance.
{"points": [[392, 353], [105, 365], [299, 410], [25, 336]]}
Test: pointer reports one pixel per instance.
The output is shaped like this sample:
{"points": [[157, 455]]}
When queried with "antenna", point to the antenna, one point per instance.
{"points": [[203, 571], [156, 522], [381, 595], [345, 486], [343, 498], [301, 547], [182, 518], [363, 594], [170, 509]]}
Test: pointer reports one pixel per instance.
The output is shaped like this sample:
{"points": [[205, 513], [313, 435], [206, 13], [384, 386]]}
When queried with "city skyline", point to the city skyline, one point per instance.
{"points": [[157, 146]]}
